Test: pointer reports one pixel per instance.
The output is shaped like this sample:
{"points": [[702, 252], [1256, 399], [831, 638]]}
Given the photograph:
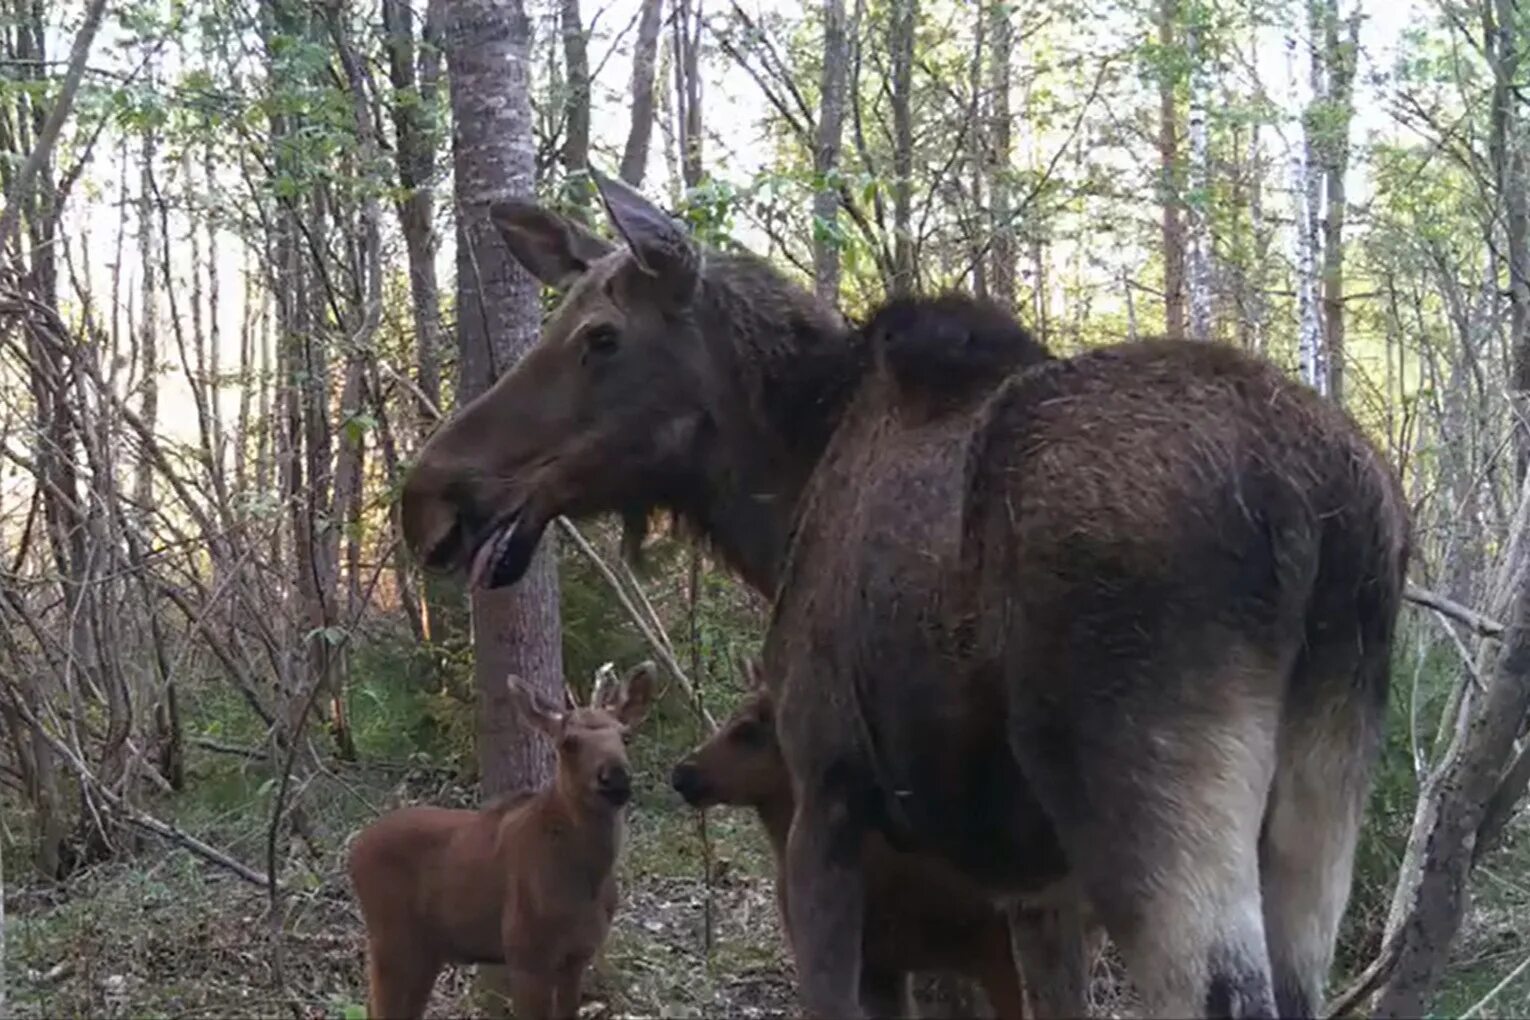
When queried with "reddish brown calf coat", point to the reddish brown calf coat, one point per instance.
{"points": [[920, 914], [528, 881]]}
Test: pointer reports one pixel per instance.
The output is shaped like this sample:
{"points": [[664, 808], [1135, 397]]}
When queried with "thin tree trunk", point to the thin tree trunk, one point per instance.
{"points": [[576, 105], [148, 341], [687, 23], [905, 16], [1198, 208], [831, 121], [415, 159], [1434, 893], [1168, 158], [644, 59], [515, 629], [1341, 54], [1305, 185], [1002, 253], [1506, 147]]}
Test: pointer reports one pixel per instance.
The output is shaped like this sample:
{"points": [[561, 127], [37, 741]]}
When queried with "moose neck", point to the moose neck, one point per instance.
{"points": [[785, 367]]}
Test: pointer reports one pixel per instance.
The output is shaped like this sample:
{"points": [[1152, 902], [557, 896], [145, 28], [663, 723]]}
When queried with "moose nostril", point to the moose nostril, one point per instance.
{"points": [[686, 780], [614, 777]]}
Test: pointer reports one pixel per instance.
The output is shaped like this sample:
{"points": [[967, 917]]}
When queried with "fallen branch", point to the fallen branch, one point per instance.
{"points": [[1484, 626], [135, 817], [1369, 980]]}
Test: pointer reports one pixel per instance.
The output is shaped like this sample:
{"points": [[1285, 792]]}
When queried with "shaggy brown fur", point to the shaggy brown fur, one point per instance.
{"points": [[1121, 619], [527, 881], [920, 914]]}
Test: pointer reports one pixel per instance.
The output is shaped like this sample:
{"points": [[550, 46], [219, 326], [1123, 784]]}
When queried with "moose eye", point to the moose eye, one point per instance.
{"points": [[600, 340]]}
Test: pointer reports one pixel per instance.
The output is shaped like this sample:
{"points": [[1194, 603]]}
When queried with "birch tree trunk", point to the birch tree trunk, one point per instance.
{"points": [[1506, 147], [1340, 54], [1305, 183], [1168, 159], [515, 629], [687, 24], [1002, 255], [831, 121], [645, 53], [1199, 204], [905, 15]]}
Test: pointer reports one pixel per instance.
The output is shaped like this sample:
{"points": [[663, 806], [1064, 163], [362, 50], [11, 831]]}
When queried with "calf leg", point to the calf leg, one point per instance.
{"points": [[827, 894], [532, 991], [885, 994], [399, 980], [566, 990], [996, 970], [1049, 940]]}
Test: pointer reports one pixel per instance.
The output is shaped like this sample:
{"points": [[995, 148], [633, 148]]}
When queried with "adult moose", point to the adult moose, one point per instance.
{"points": [[1121, 620]]}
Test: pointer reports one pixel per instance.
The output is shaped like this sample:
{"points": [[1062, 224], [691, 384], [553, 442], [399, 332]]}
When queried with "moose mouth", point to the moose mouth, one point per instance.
{"points": [[504, 555]]}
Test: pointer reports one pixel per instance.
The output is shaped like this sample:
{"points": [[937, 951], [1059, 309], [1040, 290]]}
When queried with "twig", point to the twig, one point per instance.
{"points": [[1497, 989], [1369, 980], [132, 815], [208, 743], [1484, 626], [660, 647]]}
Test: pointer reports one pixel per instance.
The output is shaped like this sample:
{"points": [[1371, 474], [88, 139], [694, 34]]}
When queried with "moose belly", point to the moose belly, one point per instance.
{"points": [[873, 641]]}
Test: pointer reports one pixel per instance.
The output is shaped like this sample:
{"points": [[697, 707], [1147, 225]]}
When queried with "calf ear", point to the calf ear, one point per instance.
{"points": [[554, 249], [661, 246], [637, 694], [534, 708]]}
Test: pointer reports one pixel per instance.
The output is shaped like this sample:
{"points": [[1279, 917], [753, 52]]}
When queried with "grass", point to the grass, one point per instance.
{"points": [[156, 932]]}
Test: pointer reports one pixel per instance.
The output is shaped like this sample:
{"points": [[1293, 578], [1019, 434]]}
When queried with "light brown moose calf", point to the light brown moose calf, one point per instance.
{"points": [[528, 881], [920, 914]]}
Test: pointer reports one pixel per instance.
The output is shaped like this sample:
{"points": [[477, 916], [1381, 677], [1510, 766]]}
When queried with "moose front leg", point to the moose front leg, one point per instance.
{"points": [[827, 894]]}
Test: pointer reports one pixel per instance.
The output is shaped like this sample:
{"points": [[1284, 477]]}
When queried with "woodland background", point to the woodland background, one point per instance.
{"points": [[244, 270]]}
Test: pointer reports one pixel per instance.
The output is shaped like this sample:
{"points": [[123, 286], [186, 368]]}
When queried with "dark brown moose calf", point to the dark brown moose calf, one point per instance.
{"points": [[920, 914], [527, 881], [1118, 622]]}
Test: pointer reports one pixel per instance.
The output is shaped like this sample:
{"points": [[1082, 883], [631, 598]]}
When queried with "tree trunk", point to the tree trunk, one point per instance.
{"points": [[1168, 159], [1002, 254], [645, 53], [415, 159], [1305, 185], [1434, 894], [579, 188], [1501, 30], [831, 122], [1198, 208], [905, 16], [1340, 56], [515, 629], [687, 57]]}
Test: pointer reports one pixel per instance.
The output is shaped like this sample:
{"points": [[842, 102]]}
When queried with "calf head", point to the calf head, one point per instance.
{"points": [[591, 741], [741, 763], [603, 413]]}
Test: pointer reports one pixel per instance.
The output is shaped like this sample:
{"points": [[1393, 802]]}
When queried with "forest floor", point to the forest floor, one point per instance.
{"points": [[159, 932]]}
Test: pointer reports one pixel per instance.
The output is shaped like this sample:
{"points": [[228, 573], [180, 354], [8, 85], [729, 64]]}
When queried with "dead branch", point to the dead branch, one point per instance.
{"points": [[1484, 626]]}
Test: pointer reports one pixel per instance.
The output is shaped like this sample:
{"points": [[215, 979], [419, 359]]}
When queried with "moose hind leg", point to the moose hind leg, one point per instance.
{"points": [[1158, 794], [1311, 828]]}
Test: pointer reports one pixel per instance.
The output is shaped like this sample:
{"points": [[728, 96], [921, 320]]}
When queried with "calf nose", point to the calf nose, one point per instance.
{"points": [[615, 782], [686, 779]]}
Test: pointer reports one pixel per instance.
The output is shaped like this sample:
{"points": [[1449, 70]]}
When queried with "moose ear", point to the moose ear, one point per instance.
{"points": [[554, 249], [533, 708], [661, 246], [637, 694]]}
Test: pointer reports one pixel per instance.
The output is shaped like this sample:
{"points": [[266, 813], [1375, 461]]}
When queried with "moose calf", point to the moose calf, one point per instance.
{"points": [[527, 881], [920, 915]]}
